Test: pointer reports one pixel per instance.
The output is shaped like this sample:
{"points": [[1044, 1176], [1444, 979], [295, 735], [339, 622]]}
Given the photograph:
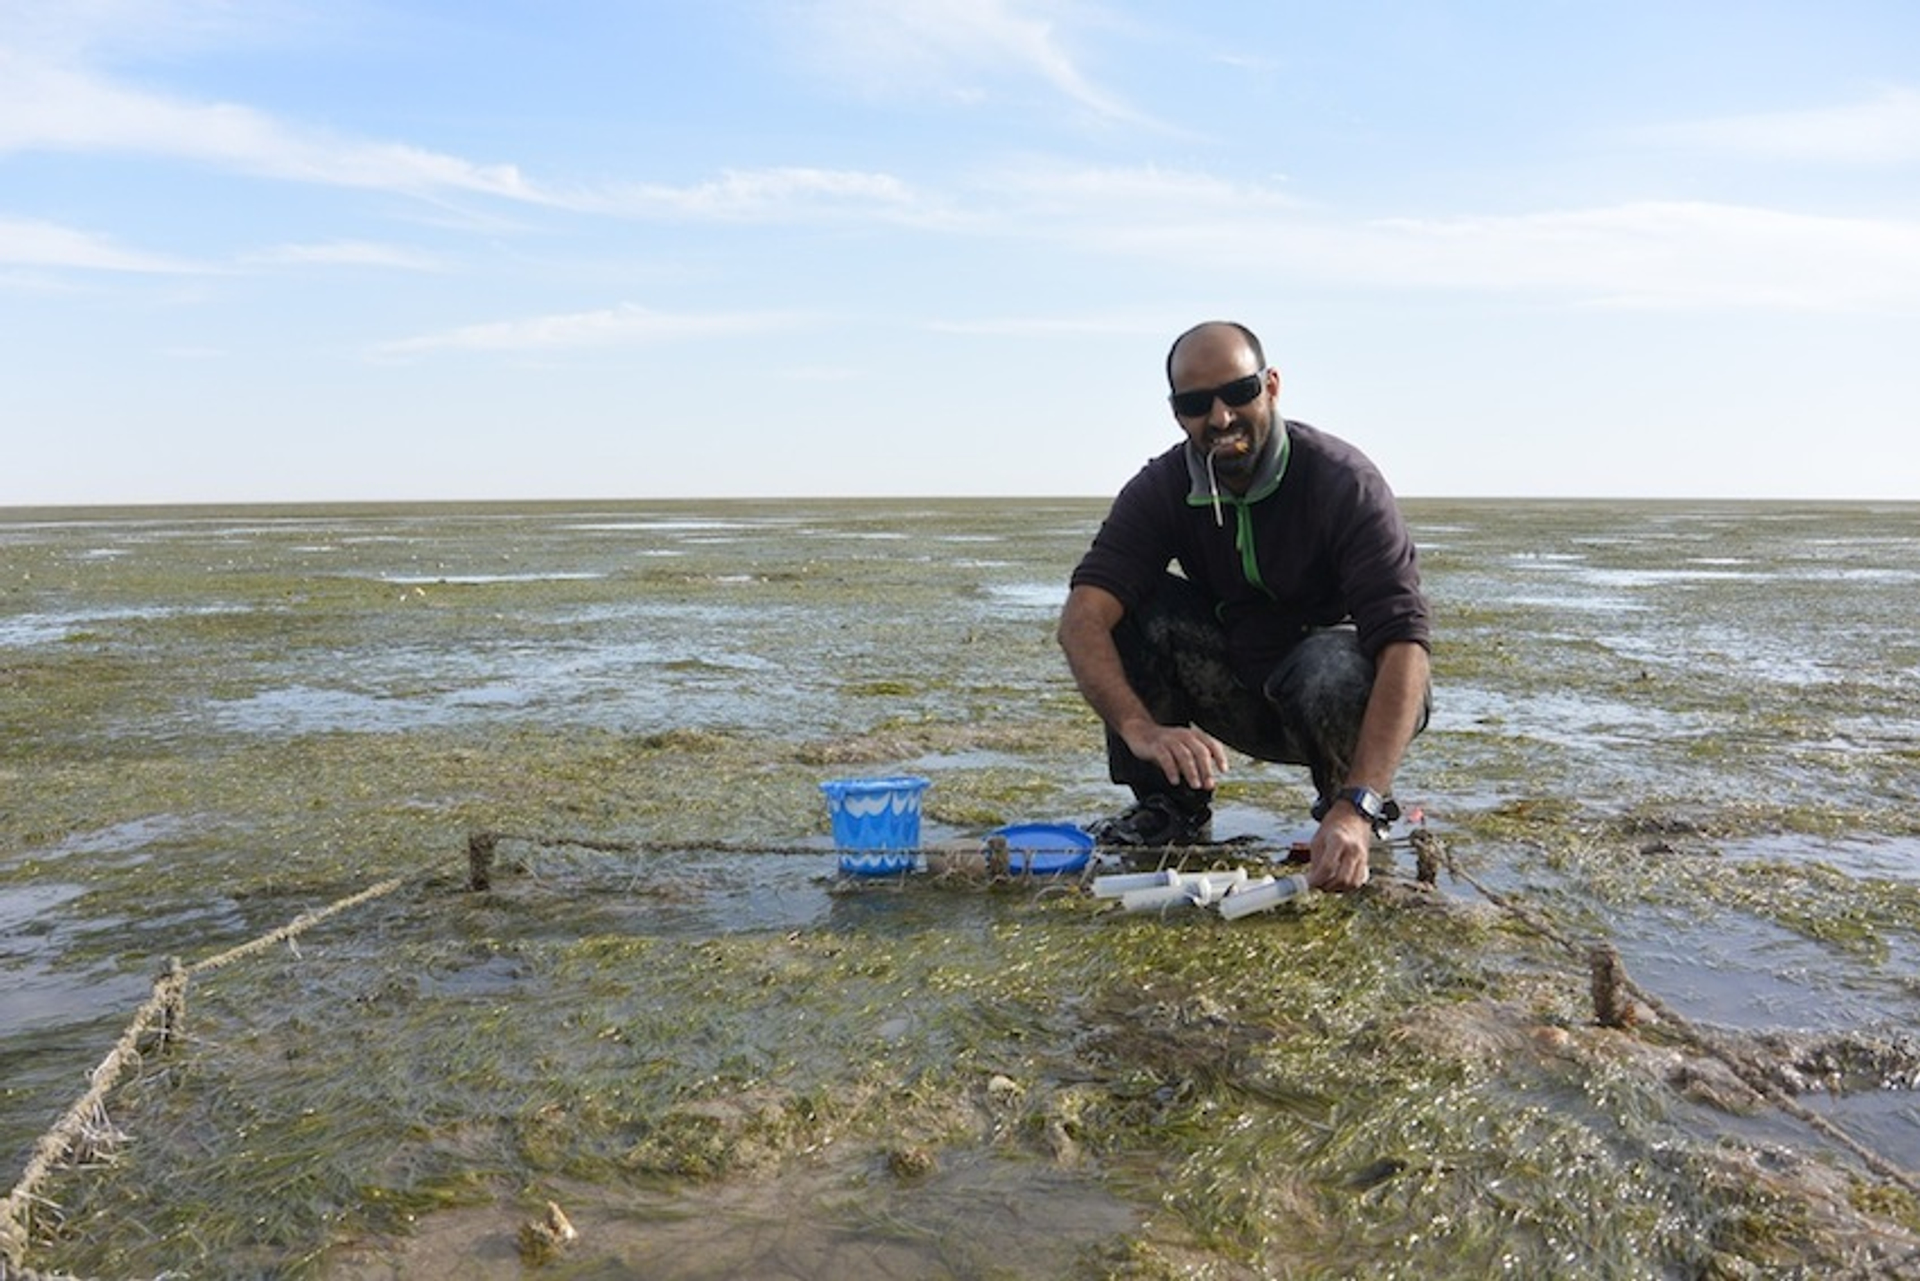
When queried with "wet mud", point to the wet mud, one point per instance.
{"points": [[667, 1018]]}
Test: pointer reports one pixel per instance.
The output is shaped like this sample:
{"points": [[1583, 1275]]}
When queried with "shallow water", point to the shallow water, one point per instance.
{"points": [[1693, 730]]}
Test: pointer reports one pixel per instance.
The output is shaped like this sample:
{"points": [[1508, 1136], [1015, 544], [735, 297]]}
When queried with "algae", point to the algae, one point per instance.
{"points": [[684, 1032]]}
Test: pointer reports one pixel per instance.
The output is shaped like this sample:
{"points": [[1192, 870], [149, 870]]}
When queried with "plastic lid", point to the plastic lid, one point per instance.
{"points": [[1045, 849]]}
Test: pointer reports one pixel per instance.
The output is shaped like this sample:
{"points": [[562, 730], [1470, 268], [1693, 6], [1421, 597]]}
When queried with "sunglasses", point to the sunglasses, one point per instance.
{"points": [[1195, 404]]}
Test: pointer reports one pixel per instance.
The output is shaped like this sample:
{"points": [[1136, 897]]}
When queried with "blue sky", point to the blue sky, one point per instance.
{"points": [[286, 251]]}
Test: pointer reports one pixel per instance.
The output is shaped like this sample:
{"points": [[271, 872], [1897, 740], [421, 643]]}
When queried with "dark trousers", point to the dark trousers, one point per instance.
{"points": [[1307, 711]]}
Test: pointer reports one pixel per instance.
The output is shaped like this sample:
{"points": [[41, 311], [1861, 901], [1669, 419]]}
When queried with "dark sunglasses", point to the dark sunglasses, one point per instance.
{"points": [[1195, 404]]}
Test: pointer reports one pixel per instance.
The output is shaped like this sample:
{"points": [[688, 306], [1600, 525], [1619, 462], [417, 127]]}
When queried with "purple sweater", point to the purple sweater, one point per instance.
{"points": [[1317, 540]]}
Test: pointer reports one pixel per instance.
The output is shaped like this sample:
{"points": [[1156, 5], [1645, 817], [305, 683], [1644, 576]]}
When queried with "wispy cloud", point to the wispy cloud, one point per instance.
{"points": [[34, 243], [1663, 254], [111, 29], [48, 106], [1651, 254], [1052, 326], [1881, 130], [346, 253], [625, 325], [1139, 195], [957, 48], [784, 194]]}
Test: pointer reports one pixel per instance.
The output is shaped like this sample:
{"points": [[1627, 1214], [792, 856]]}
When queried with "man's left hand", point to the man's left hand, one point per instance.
{"points": [[1337, 856]]}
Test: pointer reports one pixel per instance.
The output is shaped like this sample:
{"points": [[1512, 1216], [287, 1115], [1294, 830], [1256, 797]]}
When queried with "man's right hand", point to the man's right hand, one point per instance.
{"points": [[1184, 754]]}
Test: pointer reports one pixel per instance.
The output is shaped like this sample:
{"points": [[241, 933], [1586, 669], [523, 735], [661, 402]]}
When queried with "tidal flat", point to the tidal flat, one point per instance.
{"points": [[1689, 732]]}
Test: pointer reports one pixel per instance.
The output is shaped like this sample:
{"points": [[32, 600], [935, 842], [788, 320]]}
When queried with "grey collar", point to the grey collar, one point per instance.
{"points": [[1266, 473]]}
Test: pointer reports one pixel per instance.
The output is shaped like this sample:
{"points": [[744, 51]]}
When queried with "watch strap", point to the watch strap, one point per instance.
{"points": [[1378, 810]]}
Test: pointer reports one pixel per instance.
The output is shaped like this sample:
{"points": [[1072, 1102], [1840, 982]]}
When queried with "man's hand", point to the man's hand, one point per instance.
{"points": [[1395, 709], [1337, 856], [1184, 754]]}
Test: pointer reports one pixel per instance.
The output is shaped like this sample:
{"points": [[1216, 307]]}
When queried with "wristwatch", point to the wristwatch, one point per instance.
{"points": [[1376, 809]]}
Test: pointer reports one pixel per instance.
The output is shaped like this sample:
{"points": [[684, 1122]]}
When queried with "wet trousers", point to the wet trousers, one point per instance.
{"points": [[1307, 711]]}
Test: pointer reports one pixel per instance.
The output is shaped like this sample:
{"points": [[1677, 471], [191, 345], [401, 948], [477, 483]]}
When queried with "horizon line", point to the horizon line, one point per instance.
{"points": [[11, 511]]}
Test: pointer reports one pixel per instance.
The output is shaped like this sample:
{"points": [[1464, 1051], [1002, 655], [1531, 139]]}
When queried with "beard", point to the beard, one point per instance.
{"points": [[1236, 451]]}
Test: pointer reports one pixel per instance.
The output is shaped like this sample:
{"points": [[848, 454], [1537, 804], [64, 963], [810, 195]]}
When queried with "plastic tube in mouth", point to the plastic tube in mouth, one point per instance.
{"points": [[1213, 484]]}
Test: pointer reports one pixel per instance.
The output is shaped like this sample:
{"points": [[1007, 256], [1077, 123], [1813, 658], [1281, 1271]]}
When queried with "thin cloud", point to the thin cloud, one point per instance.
{"points": [[783, 194], [1050, 326], [1665, 254], [346, 253], [33, 243], [1882, 130], [53, 108], [1649, 254], [622, 326], [111, 29], [1129, 193], [954, 47], [48, 107]]}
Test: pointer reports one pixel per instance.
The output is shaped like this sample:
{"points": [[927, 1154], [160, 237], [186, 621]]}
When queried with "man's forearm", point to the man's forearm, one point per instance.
{"points": [[1086, 638], [1399, 698]]}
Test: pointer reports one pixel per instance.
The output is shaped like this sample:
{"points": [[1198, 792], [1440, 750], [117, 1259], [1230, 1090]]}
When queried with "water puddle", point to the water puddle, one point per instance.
{"points": [[22, 905], [1568, 718], [1893, 857], [1740, 972], [36, 991], [825, 1222], [36, 996]]}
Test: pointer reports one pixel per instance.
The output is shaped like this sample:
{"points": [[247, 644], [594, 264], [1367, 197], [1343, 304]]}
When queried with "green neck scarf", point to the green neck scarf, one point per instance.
{"points": [[1204, 491]]}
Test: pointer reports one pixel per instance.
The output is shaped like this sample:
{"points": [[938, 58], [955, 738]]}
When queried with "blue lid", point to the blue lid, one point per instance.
{"points": [[1045, 848]]}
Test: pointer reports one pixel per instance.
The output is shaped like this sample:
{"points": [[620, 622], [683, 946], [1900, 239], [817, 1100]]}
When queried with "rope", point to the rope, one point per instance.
{"points": [[69, 1129], [1610, 979], [162, 1013], [298, 925]]}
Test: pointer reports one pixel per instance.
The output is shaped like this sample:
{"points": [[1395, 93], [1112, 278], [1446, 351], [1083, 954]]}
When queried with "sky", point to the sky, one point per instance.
{"points": [[344, 250]]}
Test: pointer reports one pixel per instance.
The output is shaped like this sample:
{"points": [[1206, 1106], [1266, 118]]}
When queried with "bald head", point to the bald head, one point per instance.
{"points": [[1214, 335]]}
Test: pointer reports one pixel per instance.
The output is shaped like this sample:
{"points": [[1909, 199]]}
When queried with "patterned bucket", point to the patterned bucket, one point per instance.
{"points": [[876, 822]]}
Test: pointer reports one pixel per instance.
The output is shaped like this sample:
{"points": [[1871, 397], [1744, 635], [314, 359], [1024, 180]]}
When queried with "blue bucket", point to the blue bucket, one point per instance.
{"points": [[876, 822]]}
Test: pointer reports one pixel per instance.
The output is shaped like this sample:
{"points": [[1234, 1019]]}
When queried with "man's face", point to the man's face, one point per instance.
{"points": [[1217, 366]]}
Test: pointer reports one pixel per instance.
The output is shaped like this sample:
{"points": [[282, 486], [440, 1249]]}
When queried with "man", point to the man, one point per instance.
{"points": [[1295, 630]]}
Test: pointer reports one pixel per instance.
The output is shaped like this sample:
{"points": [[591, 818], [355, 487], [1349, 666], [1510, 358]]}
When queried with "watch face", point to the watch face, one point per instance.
{"points": [[1365, 801]]}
